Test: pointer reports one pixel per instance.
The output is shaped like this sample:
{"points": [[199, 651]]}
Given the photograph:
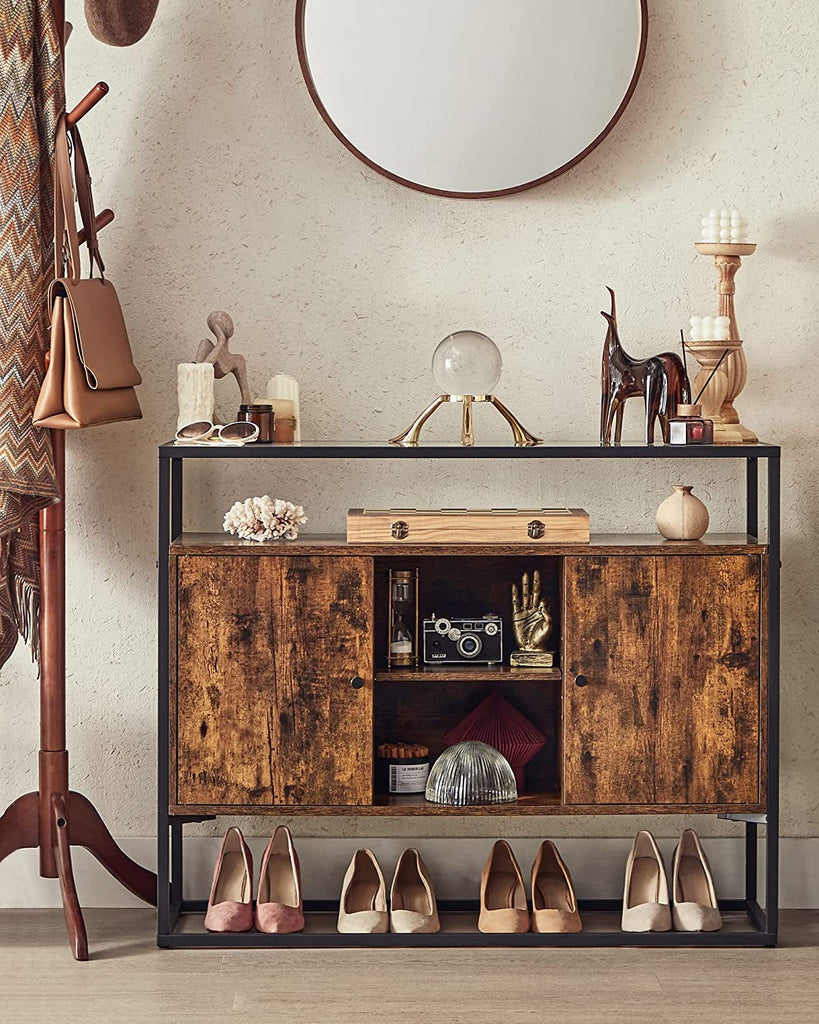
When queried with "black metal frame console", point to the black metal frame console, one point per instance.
{"points": [[758, 924]]}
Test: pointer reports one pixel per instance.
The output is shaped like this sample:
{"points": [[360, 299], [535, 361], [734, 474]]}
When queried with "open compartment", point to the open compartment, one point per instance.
{"points": [[420, 704], [467, 586]]}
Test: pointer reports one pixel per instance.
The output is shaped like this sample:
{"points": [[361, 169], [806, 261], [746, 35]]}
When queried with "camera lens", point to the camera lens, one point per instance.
{"points": [[469, 645]]}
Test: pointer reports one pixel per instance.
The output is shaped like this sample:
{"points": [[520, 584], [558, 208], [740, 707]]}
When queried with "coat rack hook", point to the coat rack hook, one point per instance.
{"points": [[91, 99], [102, 220]]}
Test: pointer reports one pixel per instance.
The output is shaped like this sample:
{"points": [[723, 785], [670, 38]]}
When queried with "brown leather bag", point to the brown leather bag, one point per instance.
{"points": [[91, 375]]}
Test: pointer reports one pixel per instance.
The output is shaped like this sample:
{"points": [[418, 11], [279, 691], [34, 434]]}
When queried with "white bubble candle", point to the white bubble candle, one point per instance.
{"points": [[724, 226], [709, 328]]}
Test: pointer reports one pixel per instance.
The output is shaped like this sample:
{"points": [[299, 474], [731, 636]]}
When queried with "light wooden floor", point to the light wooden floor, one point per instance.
{"points": [[130, 981]]}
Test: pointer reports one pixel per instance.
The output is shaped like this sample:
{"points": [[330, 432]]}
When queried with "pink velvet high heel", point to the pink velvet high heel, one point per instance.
{"points": [[230, 907], [279, 908]]}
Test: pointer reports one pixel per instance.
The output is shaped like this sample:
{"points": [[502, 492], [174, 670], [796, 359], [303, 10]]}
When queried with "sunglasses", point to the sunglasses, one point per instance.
{"points": [[204, 432]]}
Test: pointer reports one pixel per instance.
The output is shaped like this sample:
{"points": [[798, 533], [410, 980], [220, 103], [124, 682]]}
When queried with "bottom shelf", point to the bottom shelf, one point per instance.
{"points": [[601, 927]]}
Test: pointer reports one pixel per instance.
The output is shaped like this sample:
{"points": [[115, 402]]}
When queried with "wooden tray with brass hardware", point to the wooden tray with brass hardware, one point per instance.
{"points": [[468, 526]]}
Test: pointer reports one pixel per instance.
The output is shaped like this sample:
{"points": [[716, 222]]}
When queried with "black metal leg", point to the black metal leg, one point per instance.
{"points": [[177, 884], [772, 828], [162, 863], [751, 860], [176, 498], [752, 497]]}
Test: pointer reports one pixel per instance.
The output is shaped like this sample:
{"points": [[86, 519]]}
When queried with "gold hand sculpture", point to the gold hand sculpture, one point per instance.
{"points": [[530, 616]]}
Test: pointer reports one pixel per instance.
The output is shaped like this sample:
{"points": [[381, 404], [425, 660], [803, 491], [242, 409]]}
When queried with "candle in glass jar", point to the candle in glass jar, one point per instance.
{"points": [[282, 385], [284, 420]]}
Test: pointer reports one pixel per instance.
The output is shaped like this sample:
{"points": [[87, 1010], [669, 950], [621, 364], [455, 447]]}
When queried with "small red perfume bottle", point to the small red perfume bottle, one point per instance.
{"points": [[687, 426]]}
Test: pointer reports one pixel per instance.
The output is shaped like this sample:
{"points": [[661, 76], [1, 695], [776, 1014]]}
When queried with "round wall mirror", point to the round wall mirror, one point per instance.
{"points": [[471, 98]]}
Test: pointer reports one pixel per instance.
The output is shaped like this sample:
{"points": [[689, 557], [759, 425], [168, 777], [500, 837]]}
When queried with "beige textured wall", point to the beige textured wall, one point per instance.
{"points": [[231, 193]]}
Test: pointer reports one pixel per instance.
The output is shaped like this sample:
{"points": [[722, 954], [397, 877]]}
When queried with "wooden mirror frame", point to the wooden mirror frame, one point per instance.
{"points": [[308, 78]]}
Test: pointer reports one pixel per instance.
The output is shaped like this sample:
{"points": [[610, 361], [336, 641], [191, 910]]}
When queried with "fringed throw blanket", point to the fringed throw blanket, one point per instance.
{"points": [[31, 98]]}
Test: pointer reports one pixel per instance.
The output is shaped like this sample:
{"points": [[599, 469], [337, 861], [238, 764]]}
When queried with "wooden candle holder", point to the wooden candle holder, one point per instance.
{"points": [[729, 380]]}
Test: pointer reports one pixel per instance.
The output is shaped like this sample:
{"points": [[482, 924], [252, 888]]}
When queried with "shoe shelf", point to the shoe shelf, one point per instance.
{"points": [[601, 927], [639, 641]]}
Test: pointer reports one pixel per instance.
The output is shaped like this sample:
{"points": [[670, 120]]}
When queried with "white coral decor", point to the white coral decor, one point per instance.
{"points": [[264, 518]]}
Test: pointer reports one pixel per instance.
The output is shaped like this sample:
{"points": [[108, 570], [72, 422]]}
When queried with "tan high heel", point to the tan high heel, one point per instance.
{"points": [[279, 908], [363, 906], [230, 907], [554, 905], [695, 907], [645, 895], [413, 908], [503, 897]]}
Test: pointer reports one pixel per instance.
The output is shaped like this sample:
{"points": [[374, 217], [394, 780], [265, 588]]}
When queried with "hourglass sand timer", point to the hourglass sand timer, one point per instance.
{"points": [[467, 367], [402, 648]]}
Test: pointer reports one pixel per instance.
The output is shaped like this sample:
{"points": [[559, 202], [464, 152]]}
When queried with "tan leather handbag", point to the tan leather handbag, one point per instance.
{"points": [[91, 375]]}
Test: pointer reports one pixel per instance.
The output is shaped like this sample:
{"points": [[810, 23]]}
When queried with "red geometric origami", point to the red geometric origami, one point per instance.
{"points": [[496, 722]]}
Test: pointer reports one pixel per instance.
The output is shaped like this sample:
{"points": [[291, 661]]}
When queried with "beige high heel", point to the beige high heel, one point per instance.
{"points": [[363, 906], [695, 907], [554, 905], [645, 896], [230, 907], [413, 908], [503, 897], [279, 908]]}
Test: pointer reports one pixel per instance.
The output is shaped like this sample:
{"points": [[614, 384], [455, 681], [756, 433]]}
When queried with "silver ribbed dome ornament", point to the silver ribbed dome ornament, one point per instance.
{"points": [[471, 773]]}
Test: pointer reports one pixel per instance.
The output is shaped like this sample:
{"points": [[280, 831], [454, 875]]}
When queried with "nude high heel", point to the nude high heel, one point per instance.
{"points": [[363, 906], [279, 908], [413, 908], [230, 907], [554, 905], [695, 907], [645, 896], [503, 898]]}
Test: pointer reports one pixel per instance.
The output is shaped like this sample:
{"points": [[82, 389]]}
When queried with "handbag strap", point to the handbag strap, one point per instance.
{"points": [[66, 243], [85, 198]]}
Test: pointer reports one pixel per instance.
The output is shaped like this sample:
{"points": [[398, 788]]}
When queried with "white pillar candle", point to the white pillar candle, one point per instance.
{"points": [[695, 334], [282, 385], [194, 393]]}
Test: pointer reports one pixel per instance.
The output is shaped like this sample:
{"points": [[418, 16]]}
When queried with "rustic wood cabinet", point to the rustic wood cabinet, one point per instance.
{"points": [[663, 690], [282, 690], [268, 650]]}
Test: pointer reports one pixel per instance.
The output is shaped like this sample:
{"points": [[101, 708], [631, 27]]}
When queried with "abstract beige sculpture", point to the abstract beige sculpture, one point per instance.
{"points": [[219, 355]]}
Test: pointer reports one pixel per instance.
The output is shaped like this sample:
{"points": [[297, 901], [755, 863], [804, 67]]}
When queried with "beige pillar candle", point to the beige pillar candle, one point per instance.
{"points": [[194, 392]]}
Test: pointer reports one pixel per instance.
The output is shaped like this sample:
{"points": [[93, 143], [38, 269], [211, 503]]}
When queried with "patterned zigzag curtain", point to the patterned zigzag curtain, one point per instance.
{"points": [[31, 98]]}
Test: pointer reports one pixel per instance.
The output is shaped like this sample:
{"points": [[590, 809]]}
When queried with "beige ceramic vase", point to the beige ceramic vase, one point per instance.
{"points": [[682, 516]]}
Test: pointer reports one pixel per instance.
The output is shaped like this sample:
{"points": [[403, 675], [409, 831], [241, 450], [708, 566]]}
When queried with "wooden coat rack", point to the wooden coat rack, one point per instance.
{"points": [[55, 818]]}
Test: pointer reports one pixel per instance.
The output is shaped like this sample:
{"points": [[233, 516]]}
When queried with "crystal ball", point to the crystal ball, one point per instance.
{"points": [[467, 363]]}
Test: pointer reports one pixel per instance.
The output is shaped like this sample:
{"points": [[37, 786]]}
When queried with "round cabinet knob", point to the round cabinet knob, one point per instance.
{"points": [[356, 682], [580, 680]]}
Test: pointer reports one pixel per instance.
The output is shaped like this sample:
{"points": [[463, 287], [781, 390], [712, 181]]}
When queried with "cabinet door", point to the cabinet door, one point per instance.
{"points": [[668, 648], [266, 712]]}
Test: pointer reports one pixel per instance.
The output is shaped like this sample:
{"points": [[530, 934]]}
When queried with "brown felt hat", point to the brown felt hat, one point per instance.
{"points": [[119, 22]]}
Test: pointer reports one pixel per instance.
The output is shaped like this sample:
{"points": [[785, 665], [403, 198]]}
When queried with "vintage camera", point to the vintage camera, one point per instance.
{"points": [[479, 641]]}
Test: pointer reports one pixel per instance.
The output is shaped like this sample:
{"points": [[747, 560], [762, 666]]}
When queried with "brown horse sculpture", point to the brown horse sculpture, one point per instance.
{"points": [[661, 380]]}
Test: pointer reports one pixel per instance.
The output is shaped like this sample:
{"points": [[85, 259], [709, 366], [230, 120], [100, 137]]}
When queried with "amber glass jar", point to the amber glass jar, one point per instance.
{"points": [[262, 415]]}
